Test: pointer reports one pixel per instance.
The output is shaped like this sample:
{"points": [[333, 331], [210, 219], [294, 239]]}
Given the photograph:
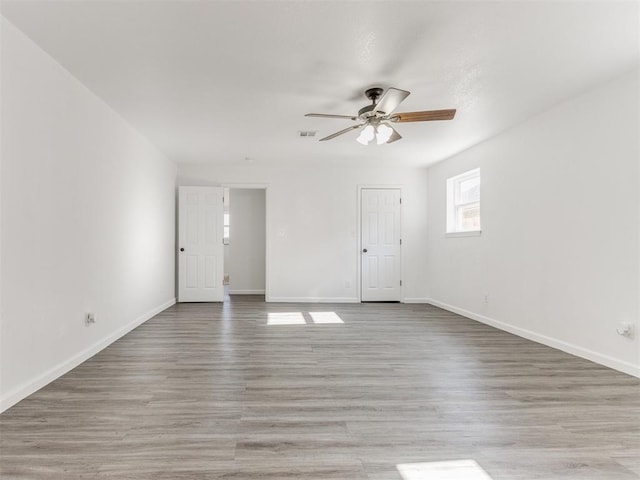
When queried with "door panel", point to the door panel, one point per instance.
{"points": [[373, 229], [192, 224], [200, 235], [389, 272], [380, 237], [373, 272], [191, 274], [389, 234], [210, 272]]}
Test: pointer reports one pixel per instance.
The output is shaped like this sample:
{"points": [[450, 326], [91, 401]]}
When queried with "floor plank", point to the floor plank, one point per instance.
{"points": [[213, 391]]}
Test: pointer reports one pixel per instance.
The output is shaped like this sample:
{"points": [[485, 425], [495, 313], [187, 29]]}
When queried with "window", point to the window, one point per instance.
{"points": [[226, 229], [463, 202], [225, 222]]}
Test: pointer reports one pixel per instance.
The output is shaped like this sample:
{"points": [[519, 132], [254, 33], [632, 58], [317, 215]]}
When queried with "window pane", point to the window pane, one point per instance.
{"points": [[468, 217], [469, 190], [463, 202]]}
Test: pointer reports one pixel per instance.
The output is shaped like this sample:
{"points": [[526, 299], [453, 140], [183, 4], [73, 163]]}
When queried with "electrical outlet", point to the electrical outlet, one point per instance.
{"points": [[486, 298], [89, 318]]}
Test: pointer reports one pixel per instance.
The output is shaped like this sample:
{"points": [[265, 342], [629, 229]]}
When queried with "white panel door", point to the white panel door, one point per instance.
{"points": [[380, 243], [200, 248]]}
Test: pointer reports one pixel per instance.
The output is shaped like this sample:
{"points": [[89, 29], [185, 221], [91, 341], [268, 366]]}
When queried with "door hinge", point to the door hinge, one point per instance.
{"points": [[400, 241], [401, 201], [400, 282]]}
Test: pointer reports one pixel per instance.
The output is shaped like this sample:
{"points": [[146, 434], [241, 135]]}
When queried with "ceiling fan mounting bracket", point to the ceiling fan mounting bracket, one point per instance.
{"points": [[373, 94]]}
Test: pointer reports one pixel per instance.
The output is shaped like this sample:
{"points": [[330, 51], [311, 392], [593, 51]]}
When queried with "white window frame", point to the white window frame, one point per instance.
{"points": [[226, 218], [453, 188]]}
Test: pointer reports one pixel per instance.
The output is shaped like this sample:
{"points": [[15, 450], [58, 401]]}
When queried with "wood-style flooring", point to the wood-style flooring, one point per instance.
{"points": [[213, 391]]}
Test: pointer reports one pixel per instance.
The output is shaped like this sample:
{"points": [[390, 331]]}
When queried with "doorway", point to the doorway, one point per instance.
{"points": [[380, 245], [245, 241]]}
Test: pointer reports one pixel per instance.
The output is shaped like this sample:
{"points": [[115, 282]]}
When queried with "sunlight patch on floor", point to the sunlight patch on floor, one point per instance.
{"points": [[298, 318], [325, 317], [451, 470], [286, 318]]}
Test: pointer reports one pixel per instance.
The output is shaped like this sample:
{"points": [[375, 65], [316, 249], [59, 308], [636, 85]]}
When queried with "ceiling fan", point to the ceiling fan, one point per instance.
{"points": [[375, 119]]}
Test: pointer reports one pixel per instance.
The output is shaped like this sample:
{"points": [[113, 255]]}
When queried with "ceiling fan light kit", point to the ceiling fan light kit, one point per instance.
{"points": [[375, 117], [366, 135], [381, 133]]}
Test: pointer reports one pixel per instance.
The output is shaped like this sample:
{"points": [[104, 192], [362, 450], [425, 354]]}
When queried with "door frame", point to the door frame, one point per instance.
{"points": [[267, 255], [359, 234]]}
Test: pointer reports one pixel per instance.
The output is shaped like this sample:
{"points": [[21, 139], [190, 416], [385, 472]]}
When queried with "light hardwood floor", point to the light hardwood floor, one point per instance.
{"points": [[208, 391]]}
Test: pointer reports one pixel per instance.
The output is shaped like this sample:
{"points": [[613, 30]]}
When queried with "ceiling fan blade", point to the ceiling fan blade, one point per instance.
{"points": [[337, 134], [425, 116], [395, 136], [390, 100], [325, 115]]}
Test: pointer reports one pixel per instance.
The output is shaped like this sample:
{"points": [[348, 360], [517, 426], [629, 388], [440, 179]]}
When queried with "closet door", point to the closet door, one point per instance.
{"points": [[200, 247]]}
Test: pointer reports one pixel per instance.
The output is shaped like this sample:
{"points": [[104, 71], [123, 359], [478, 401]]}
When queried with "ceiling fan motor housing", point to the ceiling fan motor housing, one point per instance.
{"points": [[365, 112], [373, 94]]}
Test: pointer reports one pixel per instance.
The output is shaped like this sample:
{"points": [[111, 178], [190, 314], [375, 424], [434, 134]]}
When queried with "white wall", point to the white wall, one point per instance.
{"points": [[247, 241], [559, 251], [312, 214], [87, 221]]}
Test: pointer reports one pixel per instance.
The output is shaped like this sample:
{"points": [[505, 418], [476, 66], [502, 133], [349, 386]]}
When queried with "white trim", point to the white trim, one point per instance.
{"points": [[267, 236], [246, 292], [606, 360], [416, 300], [314, 300], [23, 391], [468, 233]]}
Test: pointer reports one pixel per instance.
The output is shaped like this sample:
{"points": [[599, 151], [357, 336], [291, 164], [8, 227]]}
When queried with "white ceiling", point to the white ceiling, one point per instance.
{"points": [[222, 81]]}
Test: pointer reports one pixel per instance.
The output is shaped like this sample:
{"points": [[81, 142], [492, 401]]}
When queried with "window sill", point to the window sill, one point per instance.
{"points": [[471, 233]]}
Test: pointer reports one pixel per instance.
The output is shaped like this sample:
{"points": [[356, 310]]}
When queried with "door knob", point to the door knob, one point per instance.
{"points": [[182, 249], [364, 250]]}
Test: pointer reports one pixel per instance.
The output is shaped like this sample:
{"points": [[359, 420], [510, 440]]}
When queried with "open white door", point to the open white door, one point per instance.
{"points": [[200, 255], [380, 209]]}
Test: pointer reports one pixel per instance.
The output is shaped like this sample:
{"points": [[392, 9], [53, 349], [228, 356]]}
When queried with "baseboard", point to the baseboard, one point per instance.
{"points": [[246, 292], [32, 386], [313, 300], [416, 300], [576, 350]]}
